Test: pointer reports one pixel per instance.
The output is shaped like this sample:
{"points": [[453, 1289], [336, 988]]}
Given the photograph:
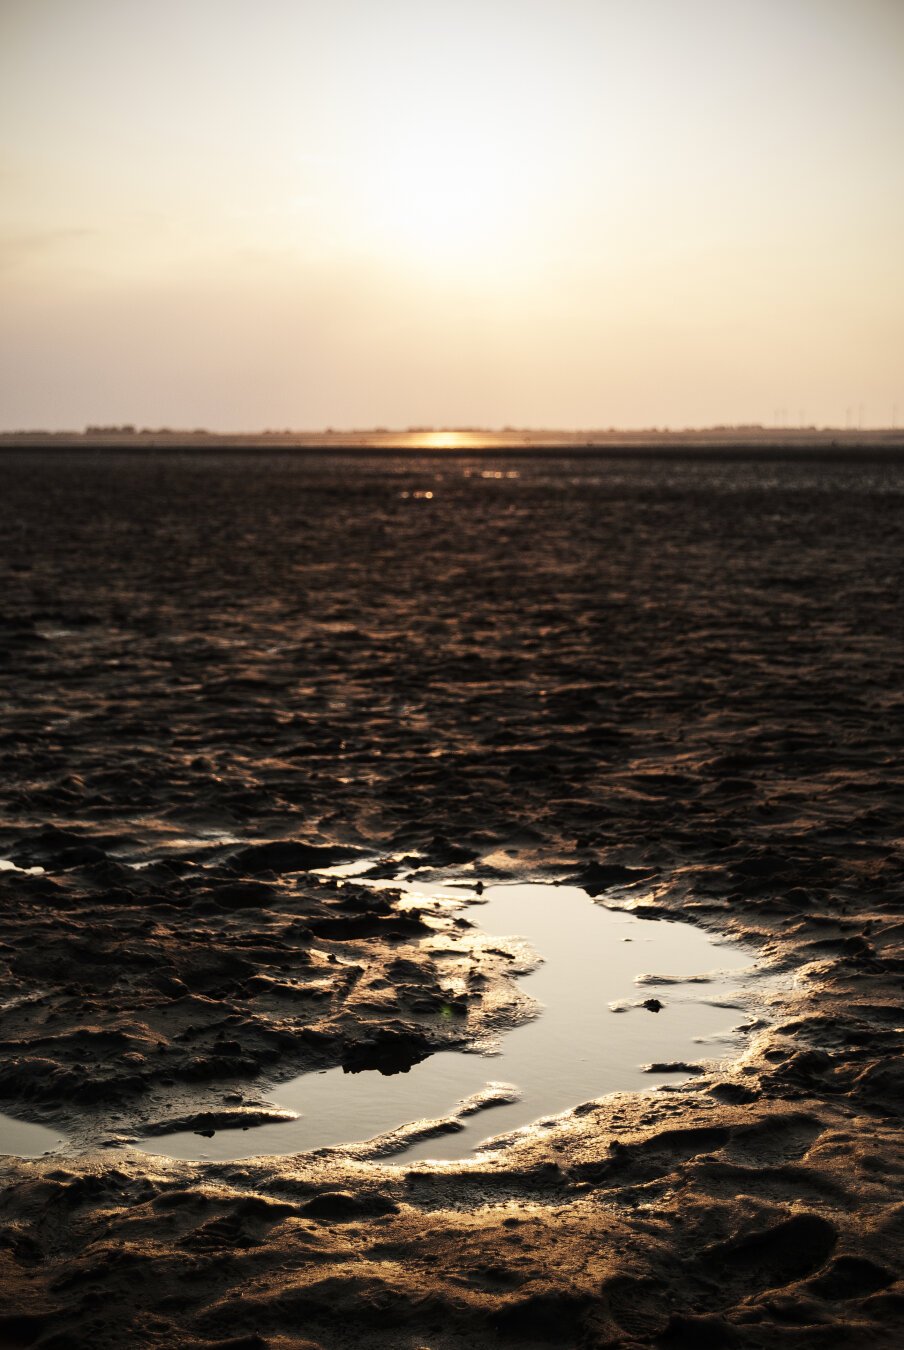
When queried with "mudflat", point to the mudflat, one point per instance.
{"points": [[672, 681]]}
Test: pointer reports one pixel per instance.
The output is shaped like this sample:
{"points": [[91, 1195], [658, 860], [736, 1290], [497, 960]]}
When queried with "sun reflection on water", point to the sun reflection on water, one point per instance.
{"points": [[445, 440]]}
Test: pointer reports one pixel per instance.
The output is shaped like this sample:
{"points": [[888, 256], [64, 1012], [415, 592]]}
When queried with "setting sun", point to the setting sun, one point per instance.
{"points": [[442, 163], [528, 212], [438, 191]]}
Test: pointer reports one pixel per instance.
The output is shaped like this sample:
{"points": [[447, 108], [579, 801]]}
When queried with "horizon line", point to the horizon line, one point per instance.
{"points": [[332, 433]]}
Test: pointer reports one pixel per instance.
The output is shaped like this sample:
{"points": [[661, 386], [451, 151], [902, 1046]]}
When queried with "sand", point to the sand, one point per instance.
{"points": [[675, 679]]}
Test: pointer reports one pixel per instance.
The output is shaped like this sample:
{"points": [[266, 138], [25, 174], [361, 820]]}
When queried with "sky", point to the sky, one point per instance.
{"points": [[248, 214]]}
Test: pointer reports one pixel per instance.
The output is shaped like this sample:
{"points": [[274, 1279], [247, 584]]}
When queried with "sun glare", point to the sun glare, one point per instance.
{"points": [[440, 189], [443, 440]]}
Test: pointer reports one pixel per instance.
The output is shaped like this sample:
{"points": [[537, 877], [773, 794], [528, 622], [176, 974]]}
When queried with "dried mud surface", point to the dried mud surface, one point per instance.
{"points": [[675, 680]]}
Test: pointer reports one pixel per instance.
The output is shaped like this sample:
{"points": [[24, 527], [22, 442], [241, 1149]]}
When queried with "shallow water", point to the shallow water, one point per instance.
{"points": [[26, 1140], [6, 865], [591, 1037]]}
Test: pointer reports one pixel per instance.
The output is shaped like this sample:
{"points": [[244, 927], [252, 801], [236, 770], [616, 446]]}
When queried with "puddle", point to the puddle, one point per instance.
{"points": [[592, 1035], [27, 1141], [6, 865]]}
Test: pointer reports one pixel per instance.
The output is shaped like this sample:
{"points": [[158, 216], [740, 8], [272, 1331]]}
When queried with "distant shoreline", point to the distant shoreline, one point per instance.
{"points": [[705, 443]]}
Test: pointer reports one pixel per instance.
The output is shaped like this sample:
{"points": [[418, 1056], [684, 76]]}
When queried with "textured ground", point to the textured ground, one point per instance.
{"points": [[236, 667]]}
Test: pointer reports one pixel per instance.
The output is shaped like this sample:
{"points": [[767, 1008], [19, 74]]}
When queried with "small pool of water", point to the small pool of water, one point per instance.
{"points": [[24, 1140], [592, 1035], [7, 865]]}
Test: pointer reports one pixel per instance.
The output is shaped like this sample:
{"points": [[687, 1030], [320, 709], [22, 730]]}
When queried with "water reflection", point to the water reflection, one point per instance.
{"points": [[25, 1140], [593, 1036]]}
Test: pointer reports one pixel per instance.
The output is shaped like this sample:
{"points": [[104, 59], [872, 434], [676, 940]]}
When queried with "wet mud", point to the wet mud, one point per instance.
{"points": [[673, 682]]}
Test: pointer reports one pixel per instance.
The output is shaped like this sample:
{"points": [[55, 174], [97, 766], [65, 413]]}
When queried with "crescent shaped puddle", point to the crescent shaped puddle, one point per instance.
{"points": [[596, 970]]}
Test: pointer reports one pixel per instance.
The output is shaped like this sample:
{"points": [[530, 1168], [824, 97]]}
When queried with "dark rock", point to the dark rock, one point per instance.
{"points": [[443, 853], [556, 1318], [342, 1206], [80, 855], [387, 1051], [599, 877], [774, 1256], [697, 1333], [851, 1277], [244, 895], [290, 855]]}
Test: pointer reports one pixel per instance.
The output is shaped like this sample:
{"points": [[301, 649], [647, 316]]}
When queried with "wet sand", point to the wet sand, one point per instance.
{"points": [[674, 680]]}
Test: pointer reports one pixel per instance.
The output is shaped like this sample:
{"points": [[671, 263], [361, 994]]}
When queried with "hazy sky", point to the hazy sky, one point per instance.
{"points": [[576, 213]]}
